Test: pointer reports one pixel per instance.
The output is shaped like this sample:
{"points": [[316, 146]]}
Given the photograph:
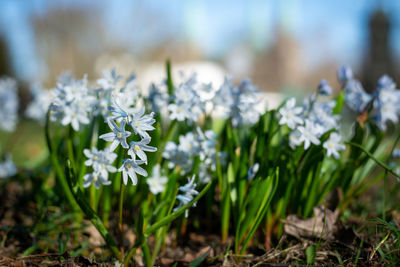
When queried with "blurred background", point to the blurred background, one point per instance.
{"points": [[283, 46]]}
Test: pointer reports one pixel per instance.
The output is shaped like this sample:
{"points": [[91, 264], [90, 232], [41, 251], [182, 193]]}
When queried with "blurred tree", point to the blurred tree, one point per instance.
{"points": [[5, 60], [379, 56]]}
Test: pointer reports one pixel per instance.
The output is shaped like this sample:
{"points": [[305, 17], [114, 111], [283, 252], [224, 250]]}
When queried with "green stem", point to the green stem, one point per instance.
{"points": [[59, 173], [120, 212], [88, 211], [146, 254]]}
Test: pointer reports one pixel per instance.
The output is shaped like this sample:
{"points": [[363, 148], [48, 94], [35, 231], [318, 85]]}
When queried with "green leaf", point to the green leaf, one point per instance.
{"points": [[310, 254], [200, 259], [265, 202], [177, 213], [339, 103], [380, 163], [88, 211]]}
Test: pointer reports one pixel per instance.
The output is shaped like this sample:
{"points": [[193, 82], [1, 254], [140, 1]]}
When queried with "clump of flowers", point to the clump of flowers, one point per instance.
{"points": [[73, 102], [123, 114], [193, 100], [8, 104], [311, 121], [101, 162], [383, 104], [40, 103], [240, 103], [188, 194], [190, 146]]}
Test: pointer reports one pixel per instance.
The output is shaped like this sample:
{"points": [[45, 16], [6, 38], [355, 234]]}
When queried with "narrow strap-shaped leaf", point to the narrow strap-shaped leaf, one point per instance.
{"points": [[263, 209], [177, 213], [380, 163], [85, 207], [58, 170]]}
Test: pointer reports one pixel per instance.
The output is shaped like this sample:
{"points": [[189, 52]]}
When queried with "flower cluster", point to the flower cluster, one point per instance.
{"points": [[189, 100], [188, 195], [38, 107], [124, 114], [385, 100], [193, 99], [113, 89], [192, 145], [101, 162], [8, 104], [309, 122], [240, 103], [73, 101]]}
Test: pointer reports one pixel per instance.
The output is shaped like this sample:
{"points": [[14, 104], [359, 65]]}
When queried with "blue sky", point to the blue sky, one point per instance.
{"points": [[331, 29]]}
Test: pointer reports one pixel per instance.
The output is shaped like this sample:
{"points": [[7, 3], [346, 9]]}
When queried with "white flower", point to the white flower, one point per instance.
{"points": [[141, 123], [156, 182], [290, 114], [138, 148], [177, 112], [333, 145], [100, 161], [74, 115], [294, 139], [129, 168], [309, 134], [118, 136], [109, 80], [96, 178]]}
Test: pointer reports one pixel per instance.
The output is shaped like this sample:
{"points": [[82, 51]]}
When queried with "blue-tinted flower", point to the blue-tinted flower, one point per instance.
{"points": [[188, 195], [344, 74], [333, 145], [130, 168], [8, 104], [73, 102], [355, 96], [100, 160], [290, 114], [138, 149], [324, 88], [141, 123], [386, 102], [156, 182], [294, 139], [177, 157], [109, 80], [117, 136], [97, 178], [38, 107], [322, 115], [396, 153], [251, 173], [158, 98]]}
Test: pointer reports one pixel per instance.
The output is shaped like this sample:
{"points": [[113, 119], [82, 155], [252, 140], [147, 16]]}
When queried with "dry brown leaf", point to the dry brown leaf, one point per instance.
{"points": [[322, 225]]}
